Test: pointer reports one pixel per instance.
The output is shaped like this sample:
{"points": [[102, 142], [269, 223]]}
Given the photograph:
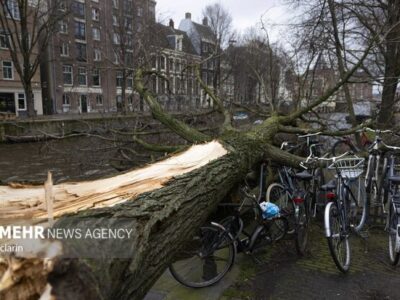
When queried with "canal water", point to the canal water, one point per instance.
{"points": [[69, 159]]}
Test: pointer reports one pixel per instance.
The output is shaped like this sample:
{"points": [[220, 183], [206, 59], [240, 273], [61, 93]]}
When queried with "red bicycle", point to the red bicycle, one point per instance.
{"points": [[346, 144]]}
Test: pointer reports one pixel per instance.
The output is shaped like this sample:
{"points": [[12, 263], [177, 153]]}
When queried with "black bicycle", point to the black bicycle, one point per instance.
{"points": [[210, 252]]}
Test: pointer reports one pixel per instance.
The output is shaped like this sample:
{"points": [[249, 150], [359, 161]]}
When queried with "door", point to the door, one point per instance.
{"points": [[83, 104]]}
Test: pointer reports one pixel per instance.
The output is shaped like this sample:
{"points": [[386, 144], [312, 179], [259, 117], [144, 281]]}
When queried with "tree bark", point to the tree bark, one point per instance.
{"points": [[161, 220]]}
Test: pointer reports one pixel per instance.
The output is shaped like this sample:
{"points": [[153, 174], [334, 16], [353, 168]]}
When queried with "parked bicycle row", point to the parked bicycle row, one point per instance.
{"points": [[341, 188]]}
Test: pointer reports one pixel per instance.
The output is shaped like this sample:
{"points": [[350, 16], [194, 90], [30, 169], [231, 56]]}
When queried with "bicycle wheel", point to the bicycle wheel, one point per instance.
{"points": [[276, 194], [359, 203], [316, 199], [301, 229], [205, 258], [341, 147], [393, 220], [338, 242]]}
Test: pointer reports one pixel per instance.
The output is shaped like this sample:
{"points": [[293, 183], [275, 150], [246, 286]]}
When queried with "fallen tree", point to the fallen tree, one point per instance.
{"points": [[161, 217]]}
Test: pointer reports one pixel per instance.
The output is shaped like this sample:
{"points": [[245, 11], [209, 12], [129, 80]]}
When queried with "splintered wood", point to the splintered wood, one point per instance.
{"points": [[18, 201]]}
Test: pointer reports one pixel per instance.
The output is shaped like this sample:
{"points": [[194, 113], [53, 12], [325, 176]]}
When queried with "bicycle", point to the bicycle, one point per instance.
{"points": [[209, 254], [346, 144], [376, 174], [341, 212], [393, 217], [288, 186]]}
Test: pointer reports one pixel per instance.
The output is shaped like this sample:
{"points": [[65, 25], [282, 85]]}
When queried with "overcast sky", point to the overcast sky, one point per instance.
{"points": [[245, 13]]}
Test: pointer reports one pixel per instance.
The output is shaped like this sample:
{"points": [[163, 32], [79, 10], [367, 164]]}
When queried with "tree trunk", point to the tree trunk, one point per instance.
{"points": [[29, 100], [392, 66], [160, 219]]}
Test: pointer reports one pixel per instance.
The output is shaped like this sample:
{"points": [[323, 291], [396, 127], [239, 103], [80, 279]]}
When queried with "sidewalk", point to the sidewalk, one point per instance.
{"points": [[283, 275]]}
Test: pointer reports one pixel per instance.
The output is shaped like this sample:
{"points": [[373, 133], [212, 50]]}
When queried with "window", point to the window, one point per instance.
{"points": [[128, 23], [67, 74], [62, 5], [96, 77], [115, 3], [82, 76], [162, 63], [99, 100], [115, 20], [129, 41], [140, 11], [177, 65], [4, 41], [128, 59], [178, 43], [12, 9], [64, 49], [205, 47], [129, 81], [96, 54], [8, 70], [80, 52], [171, 65], [21, 101], [119, 78], [63, 26], [116, 59], [79, 9], [95, 14], [80, 30], [116, 38], [66, 100], [96, 33], [127, 6]]}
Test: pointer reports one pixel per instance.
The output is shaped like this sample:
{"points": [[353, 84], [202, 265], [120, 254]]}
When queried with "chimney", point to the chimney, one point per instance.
{"points": [[188, 15], [171, 23], [205, 21]]}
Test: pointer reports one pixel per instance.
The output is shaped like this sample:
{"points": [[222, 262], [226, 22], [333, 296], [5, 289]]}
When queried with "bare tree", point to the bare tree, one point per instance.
{"points": [[220, 21], [28, 26], [162, 218]]}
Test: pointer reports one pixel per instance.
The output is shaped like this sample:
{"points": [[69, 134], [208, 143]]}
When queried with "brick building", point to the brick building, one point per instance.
{"points": [[12, 94], [83, 69]]}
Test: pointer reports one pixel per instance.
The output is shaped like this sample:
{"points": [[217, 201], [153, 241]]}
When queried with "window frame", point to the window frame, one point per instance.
{"points": [[71, 74], [10, 67], [24, 101], [82, 75]]}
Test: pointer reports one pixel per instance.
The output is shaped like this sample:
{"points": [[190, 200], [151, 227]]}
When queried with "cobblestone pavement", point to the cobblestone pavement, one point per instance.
{"points": [[285, 276], [280, 274]]}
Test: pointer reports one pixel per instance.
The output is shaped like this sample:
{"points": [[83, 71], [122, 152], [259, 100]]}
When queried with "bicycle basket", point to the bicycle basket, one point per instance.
{"points": [[350, 167]]}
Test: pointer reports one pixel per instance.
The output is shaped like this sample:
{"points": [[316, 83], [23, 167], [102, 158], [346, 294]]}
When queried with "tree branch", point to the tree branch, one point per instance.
{"points": [[180, 128]]}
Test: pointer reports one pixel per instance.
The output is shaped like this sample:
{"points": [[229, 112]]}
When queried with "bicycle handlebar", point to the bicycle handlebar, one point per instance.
{"points": [[311, 160], [374, 130], [309, 134]]}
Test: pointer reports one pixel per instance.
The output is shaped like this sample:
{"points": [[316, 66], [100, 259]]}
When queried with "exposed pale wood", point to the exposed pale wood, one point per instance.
{"points": [[19, 201], [49, 197]]}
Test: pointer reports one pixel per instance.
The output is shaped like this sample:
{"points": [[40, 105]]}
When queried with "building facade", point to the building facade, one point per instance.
{"points": [[203, 41], [12, 94], [174, 58], [92, 49]]}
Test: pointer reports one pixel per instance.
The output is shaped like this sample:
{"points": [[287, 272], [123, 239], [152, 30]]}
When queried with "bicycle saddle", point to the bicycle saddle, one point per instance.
{"points": [[329, 186], [304, 175]]}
